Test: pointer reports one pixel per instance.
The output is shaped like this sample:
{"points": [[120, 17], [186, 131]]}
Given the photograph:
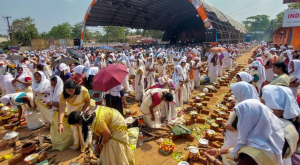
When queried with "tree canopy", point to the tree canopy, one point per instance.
{"points": [[23, 31]]}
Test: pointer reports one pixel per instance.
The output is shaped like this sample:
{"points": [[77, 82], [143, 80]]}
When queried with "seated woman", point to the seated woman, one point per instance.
{"points": [[74, 98], [110, 124], [282, 102], [153, 100], [79, 75], [295, 76], [254, 146], [24, 102], [282, 78], [258, 72], [22, 81], [64, 140]]}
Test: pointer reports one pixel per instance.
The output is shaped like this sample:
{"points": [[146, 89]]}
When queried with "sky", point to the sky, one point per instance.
{"points": [[48, 13]]}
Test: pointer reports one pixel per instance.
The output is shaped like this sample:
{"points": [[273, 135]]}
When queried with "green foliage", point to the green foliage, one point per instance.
{"points": [[114, 33], [257, 23], [23, 31], [63, 30], [295, 5], [5, 44]]}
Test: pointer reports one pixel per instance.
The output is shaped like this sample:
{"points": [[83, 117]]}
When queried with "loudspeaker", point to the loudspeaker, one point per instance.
{"points": [[76, 42], [211, 35]]}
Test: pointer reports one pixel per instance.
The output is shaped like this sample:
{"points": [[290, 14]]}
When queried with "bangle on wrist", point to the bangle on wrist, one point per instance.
{"points": [[60, 123], [219, 151]]}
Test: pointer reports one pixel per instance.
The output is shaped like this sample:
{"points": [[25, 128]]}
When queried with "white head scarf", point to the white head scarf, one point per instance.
{"points": [[79, 69], [6, 99], [261, 70], [92, 71], [246, 76], [43, 86], [64, 67], [297, 69], [243, 91], [57, 91], [281, 98], [290, 56], [259, 128]]}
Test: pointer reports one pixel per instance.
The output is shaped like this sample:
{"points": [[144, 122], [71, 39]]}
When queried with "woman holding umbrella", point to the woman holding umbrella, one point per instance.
{"points": [[74, 98]]}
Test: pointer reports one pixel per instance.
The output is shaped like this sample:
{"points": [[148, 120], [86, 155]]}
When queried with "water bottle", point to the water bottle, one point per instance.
{"points": [[141, 139]]}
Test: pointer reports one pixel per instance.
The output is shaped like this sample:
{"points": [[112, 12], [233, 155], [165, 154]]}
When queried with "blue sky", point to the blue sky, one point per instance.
{"points": [[48, 13]]}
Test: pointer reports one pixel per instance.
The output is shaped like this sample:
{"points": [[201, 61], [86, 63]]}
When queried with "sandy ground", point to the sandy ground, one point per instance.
{"points": [[147, 154]]}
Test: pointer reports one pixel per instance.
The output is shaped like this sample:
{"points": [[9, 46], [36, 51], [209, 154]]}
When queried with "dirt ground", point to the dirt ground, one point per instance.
{"points": [[147, 154]]}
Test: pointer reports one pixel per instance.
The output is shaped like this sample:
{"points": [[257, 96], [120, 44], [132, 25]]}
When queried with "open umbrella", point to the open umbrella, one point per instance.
{"points": [[109, 77], [118, 49], [14, 57], [67, 60], [75, 53], [217, 50], [106, 48]]}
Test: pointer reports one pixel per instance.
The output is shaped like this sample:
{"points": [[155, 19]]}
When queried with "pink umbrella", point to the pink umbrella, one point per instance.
{"points": [[109, 77]]}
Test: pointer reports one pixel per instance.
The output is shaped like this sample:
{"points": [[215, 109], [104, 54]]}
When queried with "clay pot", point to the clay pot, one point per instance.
{"points": [[28, 148]]}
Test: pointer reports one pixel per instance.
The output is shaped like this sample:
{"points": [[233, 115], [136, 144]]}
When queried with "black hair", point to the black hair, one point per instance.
{"points": [[88, 82], [37, 73], [19, 67], [40, 67], [71, 84], [76, 117], [283, 67], [168, 96], [238, 76], [54, 78]]}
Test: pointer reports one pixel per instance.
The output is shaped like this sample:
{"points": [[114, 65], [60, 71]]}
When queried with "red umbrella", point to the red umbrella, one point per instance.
{"points": [[109, 77]]}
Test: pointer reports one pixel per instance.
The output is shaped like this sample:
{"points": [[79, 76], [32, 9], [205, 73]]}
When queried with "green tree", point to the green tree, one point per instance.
{"points": [[114, 33], [257, 23], [60, 31], [97, 36], [23, 30], [4, 35], [76, 30], [295, 5], [138, 32], [44, 35]]}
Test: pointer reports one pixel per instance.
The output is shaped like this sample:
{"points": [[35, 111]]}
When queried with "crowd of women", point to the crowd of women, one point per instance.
{"points": [[63, 98]]}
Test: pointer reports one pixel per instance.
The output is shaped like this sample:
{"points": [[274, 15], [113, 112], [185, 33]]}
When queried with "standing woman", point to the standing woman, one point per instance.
{"points": [[259, 74], [88, 83], [295, 77], [74, 98], [41, 92], [213, 67], [197, 67], [79, 74], [150, 73], [282, 77], [22, 81], [64, 140], [178, 80], [132, 65], [160, 68], [268, 63], [139, 80]]}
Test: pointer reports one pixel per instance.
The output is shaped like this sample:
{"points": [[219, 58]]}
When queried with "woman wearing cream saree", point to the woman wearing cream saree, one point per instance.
{"points": [[74, 98], [64, 140], [114, 147], [41, 90]]}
